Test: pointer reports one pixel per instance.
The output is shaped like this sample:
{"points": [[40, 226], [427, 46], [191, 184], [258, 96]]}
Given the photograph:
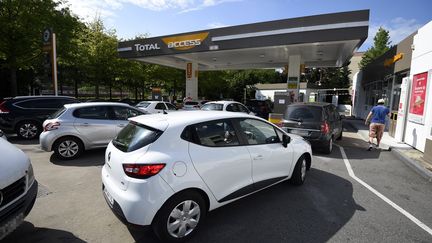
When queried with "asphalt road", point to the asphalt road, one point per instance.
{"points": [[330, 206]]}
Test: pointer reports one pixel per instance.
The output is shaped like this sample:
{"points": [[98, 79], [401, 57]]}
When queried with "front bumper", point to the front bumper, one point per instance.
{"points": [[21, 206], [46, 140]]}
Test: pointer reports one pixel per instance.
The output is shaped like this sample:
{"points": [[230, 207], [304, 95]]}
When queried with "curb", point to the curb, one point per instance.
{"points": [[413, 165]]}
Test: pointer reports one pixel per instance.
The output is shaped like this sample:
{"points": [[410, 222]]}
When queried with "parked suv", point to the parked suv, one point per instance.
{"points": [[24, 115], [83, 126], [261, 108], [18, 187], [319, 123]]}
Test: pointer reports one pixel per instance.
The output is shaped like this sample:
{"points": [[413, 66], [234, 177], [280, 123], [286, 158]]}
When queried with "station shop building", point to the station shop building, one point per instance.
{"points": [[401, 76]]}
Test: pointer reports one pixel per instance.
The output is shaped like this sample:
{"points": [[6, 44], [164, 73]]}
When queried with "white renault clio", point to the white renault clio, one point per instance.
{"points": [[169, 170]]}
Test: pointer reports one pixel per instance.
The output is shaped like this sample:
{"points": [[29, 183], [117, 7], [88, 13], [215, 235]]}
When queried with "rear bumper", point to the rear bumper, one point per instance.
{"points": [[6, 124]]}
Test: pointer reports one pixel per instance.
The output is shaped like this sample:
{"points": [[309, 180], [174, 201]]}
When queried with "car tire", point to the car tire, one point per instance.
{"points": [[299, 174], [328, 148], [67, 148], [28, 129], [340, 136], [175, 210]]}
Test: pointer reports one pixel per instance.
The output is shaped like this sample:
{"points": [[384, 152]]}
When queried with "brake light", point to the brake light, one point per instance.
{"points": [[51, 126], [325, 128], [3, 108], [142, 171]]}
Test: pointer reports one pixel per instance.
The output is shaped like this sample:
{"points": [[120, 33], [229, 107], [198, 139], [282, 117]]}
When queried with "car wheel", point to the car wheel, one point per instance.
{"points": [[180, 217], [329, 146], [28, 129], [68, 148], [340, 136], [299, 174]]}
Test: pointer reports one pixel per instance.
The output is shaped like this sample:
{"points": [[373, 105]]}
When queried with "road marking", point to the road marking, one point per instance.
{"points": [[384, 198]]}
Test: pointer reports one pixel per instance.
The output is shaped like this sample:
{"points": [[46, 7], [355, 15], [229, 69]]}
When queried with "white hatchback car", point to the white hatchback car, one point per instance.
{"points": [[153, 107], [169, 170], [224, 105]]}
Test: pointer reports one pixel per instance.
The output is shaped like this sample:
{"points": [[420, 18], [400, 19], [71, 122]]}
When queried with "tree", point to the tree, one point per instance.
{"points": [[21, 26], [381, 45]]}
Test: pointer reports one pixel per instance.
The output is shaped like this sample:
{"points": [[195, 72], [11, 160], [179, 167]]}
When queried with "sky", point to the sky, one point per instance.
{"points": [[130, 18]]}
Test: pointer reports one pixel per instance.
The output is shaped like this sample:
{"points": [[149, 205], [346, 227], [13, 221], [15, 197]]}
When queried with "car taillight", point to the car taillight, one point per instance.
{"points": [[325, 128], [142, 171], [51, 126], [3, 108]]}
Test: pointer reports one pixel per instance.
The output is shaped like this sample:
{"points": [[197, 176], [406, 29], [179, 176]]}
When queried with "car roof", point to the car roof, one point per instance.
{"points": [[40, 97], [222, 102], [184, 118], [320, 104], [89, 104]]}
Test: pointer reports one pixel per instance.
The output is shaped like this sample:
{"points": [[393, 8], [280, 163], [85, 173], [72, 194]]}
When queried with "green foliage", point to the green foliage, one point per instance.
{"points": [[381, 45]]}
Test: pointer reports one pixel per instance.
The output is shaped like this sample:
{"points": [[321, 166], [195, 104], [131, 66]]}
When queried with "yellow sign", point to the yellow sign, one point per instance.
{"points": [[395, 58], [185, 42]]}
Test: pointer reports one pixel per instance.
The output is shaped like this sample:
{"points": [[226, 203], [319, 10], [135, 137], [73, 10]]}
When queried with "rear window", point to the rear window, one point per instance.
{"points": [[143, 104], [212, 107], [191, 103], [58, 113], [303, 113], [135, 136]]}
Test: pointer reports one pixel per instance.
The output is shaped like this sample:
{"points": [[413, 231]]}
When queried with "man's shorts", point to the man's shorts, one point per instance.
{"points": [[376, 130]]}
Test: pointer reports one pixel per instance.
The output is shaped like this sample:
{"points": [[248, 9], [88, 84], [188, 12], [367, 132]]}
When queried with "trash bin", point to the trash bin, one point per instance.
{"points": [[393, 122]]}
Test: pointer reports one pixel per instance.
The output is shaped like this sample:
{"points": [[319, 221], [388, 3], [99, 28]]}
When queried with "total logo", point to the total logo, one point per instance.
{"points": [[147, 47], [185, 42]]}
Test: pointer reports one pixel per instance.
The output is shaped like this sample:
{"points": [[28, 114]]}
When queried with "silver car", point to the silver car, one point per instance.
{"points": [[84, 126]]}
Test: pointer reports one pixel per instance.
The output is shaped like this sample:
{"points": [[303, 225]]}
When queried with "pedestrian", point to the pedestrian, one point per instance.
{"points": [[376, 118]]}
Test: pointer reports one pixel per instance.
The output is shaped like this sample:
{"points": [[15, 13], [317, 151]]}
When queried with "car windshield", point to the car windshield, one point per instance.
{"points": [[143, 104], [135, 136], [303, 113], [212, 107]]}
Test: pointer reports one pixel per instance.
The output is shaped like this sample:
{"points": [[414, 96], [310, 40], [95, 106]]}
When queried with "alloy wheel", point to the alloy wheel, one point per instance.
{"points": [[28, 130], [68, 148], [183, 219]]}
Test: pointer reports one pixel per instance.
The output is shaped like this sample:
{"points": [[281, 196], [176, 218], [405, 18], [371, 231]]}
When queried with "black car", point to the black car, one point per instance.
{"points": [[319, 123], [261, 108], [24, 115]]}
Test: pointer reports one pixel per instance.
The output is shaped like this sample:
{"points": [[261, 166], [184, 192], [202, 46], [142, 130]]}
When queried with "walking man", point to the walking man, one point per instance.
{"points": [[377, 118]]}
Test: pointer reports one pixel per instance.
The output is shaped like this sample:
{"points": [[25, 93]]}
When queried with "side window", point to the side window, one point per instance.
{"points": [[243, 108], [170, 106], [160, 106], [232, 107], [259, 132], [216, 134], [331, 113], [94, 112], [123, 113]]}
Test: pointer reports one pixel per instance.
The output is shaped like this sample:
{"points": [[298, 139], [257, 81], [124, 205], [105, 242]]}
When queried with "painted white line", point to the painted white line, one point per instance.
{"points": [[384, 198]]}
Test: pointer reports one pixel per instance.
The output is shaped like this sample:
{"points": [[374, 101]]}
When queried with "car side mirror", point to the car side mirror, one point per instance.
{"points": [[286, 140]]}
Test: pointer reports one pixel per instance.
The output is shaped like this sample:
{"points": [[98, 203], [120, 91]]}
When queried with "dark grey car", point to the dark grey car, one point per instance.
{"points": [[319, 123]]}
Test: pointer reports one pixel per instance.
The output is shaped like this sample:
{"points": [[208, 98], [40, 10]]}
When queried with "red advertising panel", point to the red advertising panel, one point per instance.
{"points": [[418, 94]]}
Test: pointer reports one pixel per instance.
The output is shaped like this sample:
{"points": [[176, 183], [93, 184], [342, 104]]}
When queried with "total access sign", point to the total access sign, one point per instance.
{"points": [[185, 42]]}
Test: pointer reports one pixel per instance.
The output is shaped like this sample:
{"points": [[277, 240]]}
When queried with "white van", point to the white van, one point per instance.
{"points": [[18, 187]]}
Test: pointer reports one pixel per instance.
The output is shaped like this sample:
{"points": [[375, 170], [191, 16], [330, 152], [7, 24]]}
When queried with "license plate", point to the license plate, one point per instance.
{"points": [[300, 132], [109, 197], [11, 225]]}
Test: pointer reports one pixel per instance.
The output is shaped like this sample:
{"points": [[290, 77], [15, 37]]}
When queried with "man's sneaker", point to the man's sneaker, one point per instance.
{"points": [[370, 147]]}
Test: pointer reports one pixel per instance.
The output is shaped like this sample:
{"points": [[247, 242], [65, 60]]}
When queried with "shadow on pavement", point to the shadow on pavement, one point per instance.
{"points": [[27, 232], [313, 212], [94, 157], [17, 140]]}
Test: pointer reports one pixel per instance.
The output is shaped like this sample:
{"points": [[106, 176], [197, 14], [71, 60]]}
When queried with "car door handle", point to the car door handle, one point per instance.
{"points": [[121, 125], [258, 157], [85, 124]]}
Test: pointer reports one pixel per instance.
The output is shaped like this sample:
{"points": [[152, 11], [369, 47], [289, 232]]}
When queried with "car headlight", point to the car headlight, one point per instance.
{"points": [[30, 176]]}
